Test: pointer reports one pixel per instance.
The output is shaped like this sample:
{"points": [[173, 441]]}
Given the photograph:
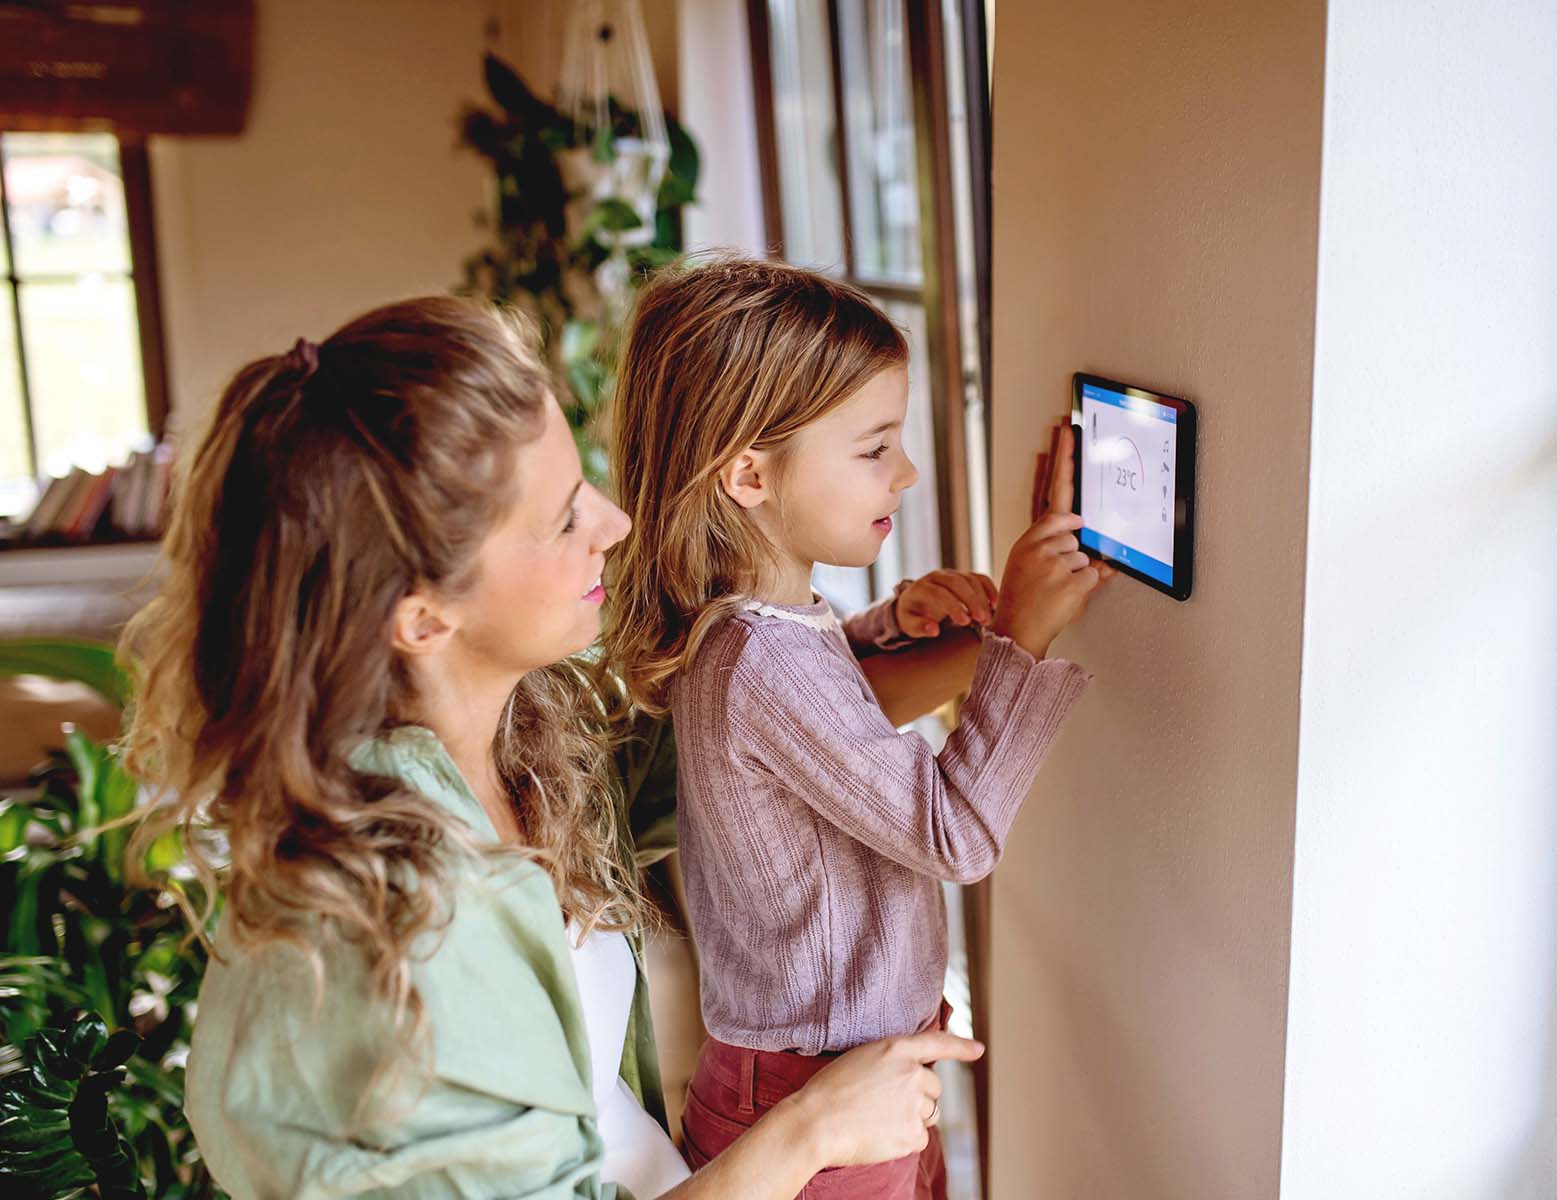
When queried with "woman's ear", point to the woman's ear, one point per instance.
{"points": [[745, 478], [420, 624]]}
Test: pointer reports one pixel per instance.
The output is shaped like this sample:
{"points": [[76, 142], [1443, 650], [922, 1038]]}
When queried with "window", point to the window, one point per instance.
{"points": [[872, 129], [81, 376], [865, 128]]}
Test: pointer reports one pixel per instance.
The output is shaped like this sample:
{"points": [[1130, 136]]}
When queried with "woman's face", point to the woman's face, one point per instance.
{"points": [[537, 594]]}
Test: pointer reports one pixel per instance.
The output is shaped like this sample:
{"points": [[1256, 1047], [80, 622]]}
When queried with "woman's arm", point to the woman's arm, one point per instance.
{"points": [[776, 1158], [919, 679], [873, 1104]]}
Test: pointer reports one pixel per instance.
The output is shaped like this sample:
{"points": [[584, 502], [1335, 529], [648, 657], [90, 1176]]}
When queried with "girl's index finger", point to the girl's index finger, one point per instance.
{"points": [[1062, 471]]}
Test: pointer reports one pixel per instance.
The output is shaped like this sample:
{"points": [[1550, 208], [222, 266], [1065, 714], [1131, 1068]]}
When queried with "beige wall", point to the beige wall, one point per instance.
{"points": [[346, 189], [1156, 174], [718, 105], [533, 30], [344, 192]]}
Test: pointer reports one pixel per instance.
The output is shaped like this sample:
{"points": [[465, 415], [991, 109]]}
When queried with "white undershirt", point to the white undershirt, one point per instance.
{"points": [[638, 1155]]}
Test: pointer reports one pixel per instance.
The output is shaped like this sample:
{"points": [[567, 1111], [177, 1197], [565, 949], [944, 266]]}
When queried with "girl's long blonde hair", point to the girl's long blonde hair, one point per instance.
{"points": [[721, 356], [323, 492]]}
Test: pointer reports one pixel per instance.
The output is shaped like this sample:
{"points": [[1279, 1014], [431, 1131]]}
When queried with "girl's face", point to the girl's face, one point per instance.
{"points": [[537, 594], [842, 476]]}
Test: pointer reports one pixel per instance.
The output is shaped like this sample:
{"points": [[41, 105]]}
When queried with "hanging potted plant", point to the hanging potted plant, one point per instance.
{"points": [[589, 195]]}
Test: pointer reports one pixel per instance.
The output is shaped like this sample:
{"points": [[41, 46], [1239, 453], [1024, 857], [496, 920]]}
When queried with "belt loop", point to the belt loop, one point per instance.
{"points": [[748, 1097]]}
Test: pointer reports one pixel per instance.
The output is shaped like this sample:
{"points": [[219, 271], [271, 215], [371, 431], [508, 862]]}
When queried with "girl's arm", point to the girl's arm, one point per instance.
{"points": [[799, 712], [912, 682], [928, 624], [873, 1104]]}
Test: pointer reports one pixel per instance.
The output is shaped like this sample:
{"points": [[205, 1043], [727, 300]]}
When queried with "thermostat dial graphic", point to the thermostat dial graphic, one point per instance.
{"points": [[1122, 479]]}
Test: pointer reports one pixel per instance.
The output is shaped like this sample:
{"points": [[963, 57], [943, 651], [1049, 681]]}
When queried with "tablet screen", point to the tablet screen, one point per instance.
{"points": [[1127, 485]]}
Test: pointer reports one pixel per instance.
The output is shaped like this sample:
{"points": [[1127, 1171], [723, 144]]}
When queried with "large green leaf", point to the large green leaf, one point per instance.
{"points": [[56, 1130], [684, 165], [14, 819], [77, 659], [105, 796], [79, 937]]}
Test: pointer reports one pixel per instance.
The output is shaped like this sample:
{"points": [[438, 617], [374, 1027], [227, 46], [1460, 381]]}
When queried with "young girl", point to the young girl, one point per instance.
{"points": [[758, 432]]}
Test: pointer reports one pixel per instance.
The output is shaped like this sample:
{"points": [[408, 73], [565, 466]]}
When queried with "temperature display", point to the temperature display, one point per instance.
{"points": [[1129, 448]]}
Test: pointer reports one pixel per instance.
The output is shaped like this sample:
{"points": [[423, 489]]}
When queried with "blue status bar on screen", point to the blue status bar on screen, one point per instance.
{"points": [[1134, 559], [1135, 404]]}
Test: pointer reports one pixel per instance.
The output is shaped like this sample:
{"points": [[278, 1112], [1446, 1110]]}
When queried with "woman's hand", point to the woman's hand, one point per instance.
{"points": [[873, 1104], [1048, 579], [878, 1102], [961, 597]]}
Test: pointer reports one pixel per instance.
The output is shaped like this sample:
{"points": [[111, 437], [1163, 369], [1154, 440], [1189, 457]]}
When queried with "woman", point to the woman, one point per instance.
{"points": [[426, 981]]}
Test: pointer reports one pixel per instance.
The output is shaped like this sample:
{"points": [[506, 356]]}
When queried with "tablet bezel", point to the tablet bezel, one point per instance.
{"points": [[1188, 424]]}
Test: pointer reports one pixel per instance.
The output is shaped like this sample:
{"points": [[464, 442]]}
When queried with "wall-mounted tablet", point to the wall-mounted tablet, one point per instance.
{"points": [[1135, 481]]}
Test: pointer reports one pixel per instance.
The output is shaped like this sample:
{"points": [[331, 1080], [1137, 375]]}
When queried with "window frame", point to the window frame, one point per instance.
{"points": [[135, 172]]}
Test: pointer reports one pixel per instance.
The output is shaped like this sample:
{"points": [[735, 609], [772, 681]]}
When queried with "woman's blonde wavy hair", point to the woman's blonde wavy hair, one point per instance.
{"points": [[315, 501], [721, 356]]}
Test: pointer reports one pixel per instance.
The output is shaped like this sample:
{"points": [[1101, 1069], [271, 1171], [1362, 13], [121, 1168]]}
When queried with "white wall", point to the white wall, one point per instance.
{"points": [[1156, 219], [718, 107], [345, 191], [1422, 1053]]}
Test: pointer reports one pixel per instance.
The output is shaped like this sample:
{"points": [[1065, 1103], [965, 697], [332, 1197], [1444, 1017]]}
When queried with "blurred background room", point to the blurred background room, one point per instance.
{"points": [[190, 186]]}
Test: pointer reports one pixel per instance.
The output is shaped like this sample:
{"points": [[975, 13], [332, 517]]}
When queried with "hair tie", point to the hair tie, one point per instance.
{"points": [[303, 358]]}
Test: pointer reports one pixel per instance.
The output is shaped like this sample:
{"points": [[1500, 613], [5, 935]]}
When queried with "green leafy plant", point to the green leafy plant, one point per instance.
{"points": [[56, 1131], [88, 952], [78, 660], [554, 241], [87, 948]]}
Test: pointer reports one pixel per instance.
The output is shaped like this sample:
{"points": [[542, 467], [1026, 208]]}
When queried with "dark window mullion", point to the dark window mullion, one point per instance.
{"points": [[16, 317], [135, 171], [759, 30]]}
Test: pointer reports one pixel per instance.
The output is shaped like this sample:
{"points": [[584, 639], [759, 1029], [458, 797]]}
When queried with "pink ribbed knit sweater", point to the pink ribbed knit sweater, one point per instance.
{"points": [[815, 836]]}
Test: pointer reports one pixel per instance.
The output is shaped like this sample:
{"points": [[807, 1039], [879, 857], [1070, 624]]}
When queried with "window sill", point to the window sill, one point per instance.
{"points": [[66, 564]]}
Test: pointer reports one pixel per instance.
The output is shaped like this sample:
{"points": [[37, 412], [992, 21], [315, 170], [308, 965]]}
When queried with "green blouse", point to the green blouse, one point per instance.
{"points": [[498, 1104]]}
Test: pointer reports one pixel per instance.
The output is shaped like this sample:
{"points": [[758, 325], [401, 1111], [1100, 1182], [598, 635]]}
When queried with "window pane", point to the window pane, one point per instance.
{"points": [[914, 545], [66, 201], [962, 134], [84, 372], [811, 197], [16, 475], [878, 107]]}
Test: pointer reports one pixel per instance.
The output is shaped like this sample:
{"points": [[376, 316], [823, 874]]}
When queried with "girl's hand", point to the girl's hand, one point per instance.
{"points": [[878, 1102], [961, 597], [1048, 579]]}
